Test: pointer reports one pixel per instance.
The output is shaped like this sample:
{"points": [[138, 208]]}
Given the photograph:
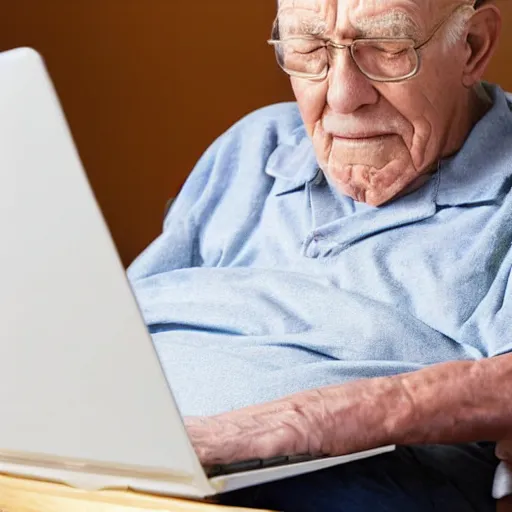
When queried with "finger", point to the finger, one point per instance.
{"points": [[504, 451]]}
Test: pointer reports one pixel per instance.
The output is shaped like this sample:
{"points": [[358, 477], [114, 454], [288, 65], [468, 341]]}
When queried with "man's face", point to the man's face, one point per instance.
{"points": [[373, 140]]}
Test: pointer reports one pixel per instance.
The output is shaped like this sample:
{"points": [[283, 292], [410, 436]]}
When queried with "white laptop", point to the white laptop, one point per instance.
{"points": [[83, 398]]}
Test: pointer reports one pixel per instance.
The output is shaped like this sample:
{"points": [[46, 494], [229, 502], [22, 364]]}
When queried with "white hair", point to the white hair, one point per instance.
{"points": [[457, 27]]}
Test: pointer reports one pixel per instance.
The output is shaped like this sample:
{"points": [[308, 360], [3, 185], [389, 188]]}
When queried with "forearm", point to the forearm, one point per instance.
{"points": [[446, 404], [456, 402], [449, 403]]}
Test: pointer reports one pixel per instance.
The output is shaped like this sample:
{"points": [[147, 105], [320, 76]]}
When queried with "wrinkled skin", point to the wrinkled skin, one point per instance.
{"points": [[377, 140], [336, 420], [424, 119]]}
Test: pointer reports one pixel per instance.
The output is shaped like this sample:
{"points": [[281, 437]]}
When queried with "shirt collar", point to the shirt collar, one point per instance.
{"points": [[293, 163], [481, 169]]}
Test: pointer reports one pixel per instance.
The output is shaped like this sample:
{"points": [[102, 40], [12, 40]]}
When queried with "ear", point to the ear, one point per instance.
{"points": [[482, 39]]}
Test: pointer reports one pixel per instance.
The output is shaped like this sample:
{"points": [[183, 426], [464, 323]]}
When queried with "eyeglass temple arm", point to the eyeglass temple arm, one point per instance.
{"points": [[444, 21]]}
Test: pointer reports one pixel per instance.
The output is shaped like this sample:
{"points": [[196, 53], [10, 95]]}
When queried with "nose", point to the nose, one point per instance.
{"points": [[349, 89]]}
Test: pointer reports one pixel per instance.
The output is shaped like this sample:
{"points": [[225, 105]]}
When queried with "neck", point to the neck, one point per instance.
{"points": [[475, 104], [466, 115]]}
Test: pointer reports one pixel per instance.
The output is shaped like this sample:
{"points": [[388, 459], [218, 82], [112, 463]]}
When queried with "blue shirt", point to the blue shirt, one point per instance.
{"points": [[266, 281]]}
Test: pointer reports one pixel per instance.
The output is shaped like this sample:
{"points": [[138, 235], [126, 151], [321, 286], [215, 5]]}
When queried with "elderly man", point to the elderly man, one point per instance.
{"points": [[336, 273]]}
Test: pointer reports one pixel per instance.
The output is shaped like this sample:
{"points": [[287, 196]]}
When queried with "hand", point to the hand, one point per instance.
{"points": [[504, 451]]}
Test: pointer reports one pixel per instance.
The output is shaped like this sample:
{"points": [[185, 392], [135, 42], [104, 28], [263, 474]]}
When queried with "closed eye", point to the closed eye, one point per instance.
{"points": [[308, 52]]}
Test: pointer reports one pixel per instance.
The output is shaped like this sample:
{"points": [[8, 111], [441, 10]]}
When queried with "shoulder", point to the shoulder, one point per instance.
{"points": [[251, 140], [282, 118], [268, 127], [235, 164], [247, 147], [509, 99]]}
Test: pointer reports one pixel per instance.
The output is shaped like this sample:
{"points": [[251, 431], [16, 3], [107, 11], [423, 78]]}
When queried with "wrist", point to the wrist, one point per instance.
{"points": [[393, 412], [403, 415]]}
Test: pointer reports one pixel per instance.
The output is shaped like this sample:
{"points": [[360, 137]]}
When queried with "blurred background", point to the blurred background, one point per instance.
{"points": [[147, 85]]}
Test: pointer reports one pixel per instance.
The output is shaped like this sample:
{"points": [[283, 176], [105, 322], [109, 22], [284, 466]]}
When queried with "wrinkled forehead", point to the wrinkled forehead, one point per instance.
{"points": [[361, 18]]}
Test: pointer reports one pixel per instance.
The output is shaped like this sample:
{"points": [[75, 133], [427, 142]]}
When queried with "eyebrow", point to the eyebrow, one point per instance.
{"points": [[395, 23], [289, 25]]}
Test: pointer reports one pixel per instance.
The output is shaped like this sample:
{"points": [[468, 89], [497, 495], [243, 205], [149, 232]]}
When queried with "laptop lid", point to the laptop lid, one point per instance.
{"points": [[83, 396], [81, 388]]}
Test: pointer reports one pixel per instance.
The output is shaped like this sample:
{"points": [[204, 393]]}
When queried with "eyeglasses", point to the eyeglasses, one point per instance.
{"points": [[380, 60]]}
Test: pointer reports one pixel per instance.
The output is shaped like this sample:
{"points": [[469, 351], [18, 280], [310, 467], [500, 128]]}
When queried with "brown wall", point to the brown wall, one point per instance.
{"points": [[148, 84], [500, 70]]}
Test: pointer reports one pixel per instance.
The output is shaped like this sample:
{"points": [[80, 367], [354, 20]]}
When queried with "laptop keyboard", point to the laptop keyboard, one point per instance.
{"points": [[250, 465]]}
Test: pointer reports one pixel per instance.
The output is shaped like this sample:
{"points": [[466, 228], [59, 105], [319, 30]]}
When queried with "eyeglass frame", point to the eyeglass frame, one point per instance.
{"points": [[349, 46]]}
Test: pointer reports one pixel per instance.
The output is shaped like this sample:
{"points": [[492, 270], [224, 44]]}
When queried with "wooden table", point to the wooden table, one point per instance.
{"points": [[19, 495]]}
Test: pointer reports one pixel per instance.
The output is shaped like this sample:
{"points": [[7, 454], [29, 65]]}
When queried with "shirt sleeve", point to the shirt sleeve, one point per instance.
{"points": [[488, 328], [177, 247], [229, 177]]}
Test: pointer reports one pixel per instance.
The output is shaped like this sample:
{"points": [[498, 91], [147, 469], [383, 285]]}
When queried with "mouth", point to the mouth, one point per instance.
{"points": [[362, 137]]}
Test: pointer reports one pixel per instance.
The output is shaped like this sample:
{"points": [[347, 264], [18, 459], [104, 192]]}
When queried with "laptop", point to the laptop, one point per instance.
{"points": [[83, 398]]}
